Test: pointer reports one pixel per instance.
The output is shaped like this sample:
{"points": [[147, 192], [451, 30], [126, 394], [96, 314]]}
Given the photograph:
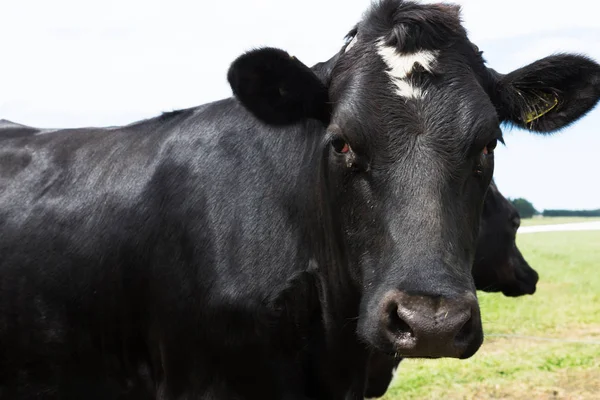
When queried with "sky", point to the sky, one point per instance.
{"points": [[72, 63]]}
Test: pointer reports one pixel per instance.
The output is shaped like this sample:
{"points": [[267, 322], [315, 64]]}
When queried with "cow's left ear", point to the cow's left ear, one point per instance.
{"points": [[277, 88], [548, 94]]}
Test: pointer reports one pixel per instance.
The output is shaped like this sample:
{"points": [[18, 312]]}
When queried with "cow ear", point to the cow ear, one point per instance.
{"points": [[277, 88], [550, 93]]}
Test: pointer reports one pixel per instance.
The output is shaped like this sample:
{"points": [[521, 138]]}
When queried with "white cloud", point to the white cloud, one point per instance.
{"points": [[488, 20]]}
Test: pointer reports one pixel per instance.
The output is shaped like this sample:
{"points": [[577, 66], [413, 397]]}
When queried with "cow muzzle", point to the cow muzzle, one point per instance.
{"points": [[430, 326]]}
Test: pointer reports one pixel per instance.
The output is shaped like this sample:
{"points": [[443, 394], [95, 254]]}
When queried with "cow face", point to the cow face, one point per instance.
{"points": [[411, 116], [499, 265]]}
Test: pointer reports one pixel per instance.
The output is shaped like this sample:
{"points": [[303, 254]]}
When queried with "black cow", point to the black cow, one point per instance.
{"points": [[258, 247], [498, 266]]}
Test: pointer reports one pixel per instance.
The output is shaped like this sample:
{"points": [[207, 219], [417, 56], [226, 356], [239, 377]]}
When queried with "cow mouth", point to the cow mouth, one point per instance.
{"points": [[526, 280], [520, 289]]}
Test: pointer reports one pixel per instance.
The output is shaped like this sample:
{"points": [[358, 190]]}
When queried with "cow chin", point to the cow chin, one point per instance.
{"points": [[525, 282], [523, 279]]}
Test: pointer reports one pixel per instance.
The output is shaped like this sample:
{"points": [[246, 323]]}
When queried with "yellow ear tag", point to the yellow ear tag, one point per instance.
{"points": [[547, 101]]}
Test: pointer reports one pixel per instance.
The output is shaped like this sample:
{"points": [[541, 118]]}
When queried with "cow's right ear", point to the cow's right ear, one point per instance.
{"points": [[277, 88]]}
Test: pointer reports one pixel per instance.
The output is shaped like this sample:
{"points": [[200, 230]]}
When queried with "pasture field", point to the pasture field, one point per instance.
{"points": [[565, 311]]}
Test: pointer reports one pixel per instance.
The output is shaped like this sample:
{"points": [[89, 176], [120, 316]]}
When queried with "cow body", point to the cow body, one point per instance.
{"points": [[128, 250], [259, 247]]}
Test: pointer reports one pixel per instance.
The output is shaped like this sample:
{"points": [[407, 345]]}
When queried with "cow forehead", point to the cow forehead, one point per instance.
{"points": [[424, 91], [410, 67], [413, 42], [400, 68]]}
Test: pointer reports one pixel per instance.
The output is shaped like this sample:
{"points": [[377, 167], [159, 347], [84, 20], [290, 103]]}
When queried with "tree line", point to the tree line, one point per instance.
{"points": [[571, 213], [527, 210]]}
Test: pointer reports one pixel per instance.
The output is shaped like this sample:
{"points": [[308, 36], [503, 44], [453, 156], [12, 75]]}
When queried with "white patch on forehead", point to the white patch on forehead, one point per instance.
{"points": [[406, 89], [400, 65]]}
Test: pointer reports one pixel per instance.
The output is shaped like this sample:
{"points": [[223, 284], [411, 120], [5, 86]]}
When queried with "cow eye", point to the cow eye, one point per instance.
{"points": [[340, 145], [482, 160], [516, 222], [489, 148]]}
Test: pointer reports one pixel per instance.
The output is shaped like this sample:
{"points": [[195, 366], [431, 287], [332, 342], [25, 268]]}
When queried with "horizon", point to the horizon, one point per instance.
{"points": [[111, 63]]}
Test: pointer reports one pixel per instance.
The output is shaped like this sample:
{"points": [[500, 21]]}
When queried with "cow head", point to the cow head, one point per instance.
{"points": [[411, 118], [499, 265]]}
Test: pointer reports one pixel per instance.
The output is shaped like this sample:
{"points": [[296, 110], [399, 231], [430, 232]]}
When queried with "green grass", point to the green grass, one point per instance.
{"points": [[556, 220], [565, 306]]}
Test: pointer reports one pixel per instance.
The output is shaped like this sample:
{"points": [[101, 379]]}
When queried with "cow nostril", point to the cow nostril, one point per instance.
{"points": [[465, 334], [399, 326]]}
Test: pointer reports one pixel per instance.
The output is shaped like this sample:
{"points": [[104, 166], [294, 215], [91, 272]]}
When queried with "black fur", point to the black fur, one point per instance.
{"points": [[170, 115], [9, 129], [278, 88], [410, 27]]}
